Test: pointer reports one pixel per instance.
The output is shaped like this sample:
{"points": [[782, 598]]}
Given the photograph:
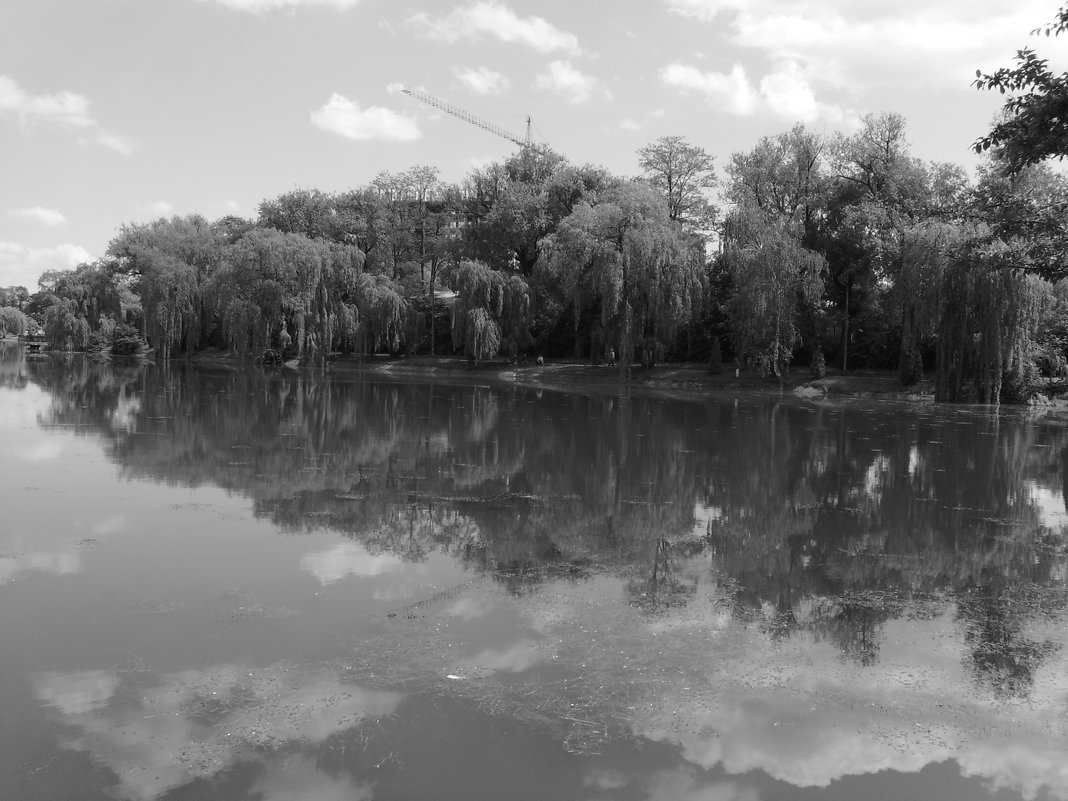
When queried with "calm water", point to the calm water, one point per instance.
{"points": [[243, 584]]}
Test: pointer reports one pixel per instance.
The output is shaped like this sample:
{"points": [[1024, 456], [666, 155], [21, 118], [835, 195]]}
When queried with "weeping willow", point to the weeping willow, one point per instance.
{"points": [[491, 310], [774, 278], [924, 257], [990, 311]]}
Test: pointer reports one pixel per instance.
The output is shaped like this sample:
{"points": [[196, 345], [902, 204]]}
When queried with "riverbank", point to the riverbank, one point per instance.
{"points": [[672, 379]]}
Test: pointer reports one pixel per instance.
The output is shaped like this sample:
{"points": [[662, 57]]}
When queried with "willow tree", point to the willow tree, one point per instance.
{"points": [[917, 291], [991, 307], [626, 254], [168, 261], [775, 278], [492, 310], [381, 313]]}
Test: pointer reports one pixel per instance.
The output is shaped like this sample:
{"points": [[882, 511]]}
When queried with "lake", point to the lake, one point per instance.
{"points": [[249, 584]]}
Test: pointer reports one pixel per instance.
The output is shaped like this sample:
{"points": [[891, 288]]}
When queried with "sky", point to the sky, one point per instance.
{"points": [[123, 111]]}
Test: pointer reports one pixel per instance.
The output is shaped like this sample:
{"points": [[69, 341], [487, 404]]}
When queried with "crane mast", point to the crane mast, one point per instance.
{"points": [[466, 116]]}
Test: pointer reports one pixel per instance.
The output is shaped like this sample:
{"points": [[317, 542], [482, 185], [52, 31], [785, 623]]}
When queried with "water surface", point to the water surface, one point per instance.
{"points": [[238, 583]]}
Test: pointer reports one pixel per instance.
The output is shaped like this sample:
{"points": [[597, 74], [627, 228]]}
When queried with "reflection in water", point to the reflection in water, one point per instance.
{"points": [[807, 591], [161, 732]]}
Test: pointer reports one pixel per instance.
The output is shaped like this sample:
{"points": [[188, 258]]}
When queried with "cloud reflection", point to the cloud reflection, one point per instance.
{"points": [[63, 563], [299, 778], [160, 733], [345, 559]]}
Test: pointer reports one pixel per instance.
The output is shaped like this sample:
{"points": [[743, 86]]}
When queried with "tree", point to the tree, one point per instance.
{"points": [[774, 276], [989, 314], [383, 312], [785, 175], [644, 270], [15, 296], [508, 208], [683, 174], [492, 309], [1034, 119], [12, 321]]}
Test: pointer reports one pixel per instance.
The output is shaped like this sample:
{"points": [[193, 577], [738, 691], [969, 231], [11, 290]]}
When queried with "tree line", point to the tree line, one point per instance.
{"points": [[843, 249]]}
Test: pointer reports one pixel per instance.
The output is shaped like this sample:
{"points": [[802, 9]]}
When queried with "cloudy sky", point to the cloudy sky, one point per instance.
{"points": [[115, 111]]}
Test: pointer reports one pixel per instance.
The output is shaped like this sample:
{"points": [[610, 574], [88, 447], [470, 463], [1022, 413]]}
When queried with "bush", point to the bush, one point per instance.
{"points": [[127, 345], [715, 357], [818, 368]]}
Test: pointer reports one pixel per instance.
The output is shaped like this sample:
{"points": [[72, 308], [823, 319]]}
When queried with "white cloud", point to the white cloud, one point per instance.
{"points": [[262, 6], [39, 214], [161, 208], [497, 20], [64, 563], [345, 559], [705, 10], [22, 266], [786, 92], [154, 737], [627, 124], [561, 77], [733, 90], [76, 693], [862, 46], [344, 117], [66, 110], [481, 81]]}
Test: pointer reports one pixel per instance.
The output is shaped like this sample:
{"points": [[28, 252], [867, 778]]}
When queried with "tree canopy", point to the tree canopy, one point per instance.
{"points": [[1033, 125]]}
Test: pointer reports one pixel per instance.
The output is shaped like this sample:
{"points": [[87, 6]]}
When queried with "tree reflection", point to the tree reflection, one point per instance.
{"points": [[825, 521]]}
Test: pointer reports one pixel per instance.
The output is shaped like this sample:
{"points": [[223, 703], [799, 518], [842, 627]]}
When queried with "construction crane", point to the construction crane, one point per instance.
{"points": [[456, 111]]}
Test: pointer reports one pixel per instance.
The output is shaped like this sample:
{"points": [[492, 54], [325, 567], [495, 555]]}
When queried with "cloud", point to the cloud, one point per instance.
{"points": [[497, 20], [22, 266], [300, 777], [564, 79], [161, 208], [514, 659], [705, 10], [65, 110], [39, 214], [263, 6], [344, 117], [733, 90], [481, 81], [157, 733], [76, 693], [347, 558], [786, 92], [64, 563], [861, 46]]}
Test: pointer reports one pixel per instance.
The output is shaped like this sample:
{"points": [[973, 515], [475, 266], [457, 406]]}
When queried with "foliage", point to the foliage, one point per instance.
{"points": [[381, 313], [1034, 120], [845, 247], [13, 321], [991, 307], [683, 174], [492, 309], [645, 272], [715, 357], [818, 366], [774, 277]]}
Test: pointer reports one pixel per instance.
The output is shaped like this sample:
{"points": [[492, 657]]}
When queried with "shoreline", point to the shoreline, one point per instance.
{"points": [[691, 380], [678, 379]]}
